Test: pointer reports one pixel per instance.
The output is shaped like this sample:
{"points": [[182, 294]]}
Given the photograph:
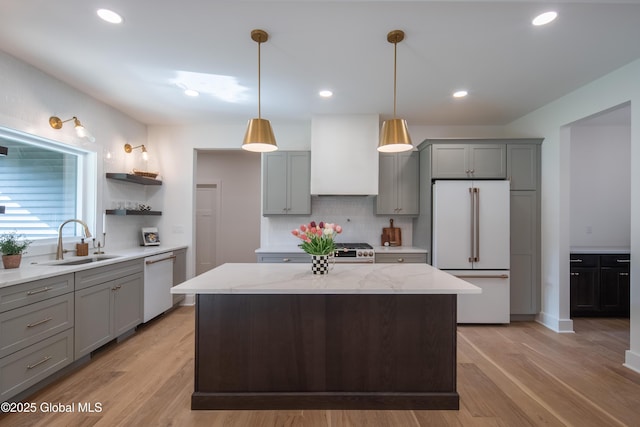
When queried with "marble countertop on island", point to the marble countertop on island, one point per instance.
{"points": [[266, 278]]}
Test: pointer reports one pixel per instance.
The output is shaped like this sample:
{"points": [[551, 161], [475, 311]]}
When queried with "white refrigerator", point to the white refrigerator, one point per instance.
{"points": [[471, 241]]}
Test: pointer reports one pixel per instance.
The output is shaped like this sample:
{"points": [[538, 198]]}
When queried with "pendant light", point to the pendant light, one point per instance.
{"points": [[259, 136], [394, 136]]}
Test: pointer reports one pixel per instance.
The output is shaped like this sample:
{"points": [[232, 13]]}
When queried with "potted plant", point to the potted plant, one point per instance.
{"points": [[12, 246]]}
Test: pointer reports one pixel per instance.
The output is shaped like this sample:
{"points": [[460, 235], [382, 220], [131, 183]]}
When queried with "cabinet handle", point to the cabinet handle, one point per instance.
{"points": [[115, 288], [172, 257], [286, 259], [39, 291], [472, 171], [576, 260], [623, 260], [39, 363], [574, 274], [40, 322], [400, 259], [624, 274]]}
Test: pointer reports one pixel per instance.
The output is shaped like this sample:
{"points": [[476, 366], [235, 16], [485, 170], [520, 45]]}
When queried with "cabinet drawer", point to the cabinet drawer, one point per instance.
{"points": [[401, 258], [284, 258], [27, 325], [27, 367], [583, 260], [96, 276], [615, 260], [27, 293]]}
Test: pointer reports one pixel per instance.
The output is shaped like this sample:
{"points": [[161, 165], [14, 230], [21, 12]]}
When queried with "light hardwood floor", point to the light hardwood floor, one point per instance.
{"points": [[517, 375]]}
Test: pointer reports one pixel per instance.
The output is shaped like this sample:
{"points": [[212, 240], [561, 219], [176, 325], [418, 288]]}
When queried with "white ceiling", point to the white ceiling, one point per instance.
{"points": [[509, 67]]}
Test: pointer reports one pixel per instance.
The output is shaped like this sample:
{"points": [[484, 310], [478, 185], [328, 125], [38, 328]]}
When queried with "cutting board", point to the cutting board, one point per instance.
{"points": [[391, 235]]}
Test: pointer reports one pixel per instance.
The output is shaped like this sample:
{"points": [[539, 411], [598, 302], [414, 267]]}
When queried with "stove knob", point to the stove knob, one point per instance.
{"points": [[359, 253]]}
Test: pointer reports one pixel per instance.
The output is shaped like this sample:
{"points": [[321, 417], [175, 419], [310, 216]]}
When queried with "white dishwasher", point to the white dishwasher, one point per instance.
{"points": [[158, 279]]}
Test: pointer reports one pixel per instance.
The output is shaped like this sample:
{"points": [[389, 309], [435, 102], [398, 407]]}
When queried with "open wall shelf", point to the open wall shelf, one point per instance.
{"points": [[136, 179], [123, 212]]}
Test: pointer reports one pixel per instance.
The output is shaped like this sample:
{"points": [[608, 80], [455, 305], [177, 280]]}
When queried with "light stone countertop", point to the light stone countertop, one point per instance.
{"points": [[379, 249], [28, 272], [266, 278], [599, 250]]}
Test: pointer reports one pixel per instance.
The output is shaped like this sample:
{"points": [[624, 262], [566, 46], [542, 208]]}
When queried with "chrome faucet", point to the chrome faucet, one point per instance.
{"points": [[87, 234]]}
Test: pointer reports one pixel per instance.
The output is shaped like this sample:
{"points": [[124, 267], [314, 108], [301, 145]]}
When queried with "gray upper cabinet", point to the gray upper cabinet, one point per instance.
{"points": [[522, 166], [398, 184], [286, 183], [469, 161]]}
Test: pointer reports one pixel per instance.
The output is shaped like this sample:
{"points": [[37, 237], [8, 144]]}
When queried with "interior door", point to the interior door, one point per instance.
{"points": [[206, 223]]}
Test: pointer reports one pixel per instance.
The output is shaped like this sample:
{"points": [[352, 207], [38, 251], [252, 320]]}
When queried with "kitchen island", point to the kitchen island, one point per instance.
{"points": [[365, 336]]}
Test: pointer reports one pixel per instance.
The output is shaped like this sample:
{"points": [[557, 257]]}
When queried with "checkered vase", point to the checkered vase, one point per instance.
{"points": [[320, 264]]}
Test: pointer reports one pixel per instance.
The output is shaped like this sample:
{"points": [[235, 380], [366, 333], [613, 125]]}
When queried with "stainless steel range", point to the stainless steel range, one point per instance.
{"points": [[354, 253]]}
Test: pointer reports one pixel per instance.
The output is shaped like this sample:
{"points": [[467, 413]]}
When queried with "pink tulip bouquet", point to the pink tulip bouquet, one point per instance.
{"points": [[317, 239]]}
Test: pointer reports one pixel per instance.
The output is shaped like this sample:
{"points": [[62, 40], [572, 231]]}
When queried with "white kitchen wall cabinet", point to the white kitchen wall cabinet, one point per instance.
{"points": [[398, 184], [470, 160], [285, 181]]}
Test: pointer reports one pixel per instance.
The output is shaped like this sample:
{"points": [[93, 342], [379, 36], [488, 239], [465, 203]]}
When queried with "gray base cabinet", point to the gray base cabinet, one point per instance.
{"points": [[179, 272], [398, 184], [284, 257], [36, 332], [109, 302], [401, 258]]}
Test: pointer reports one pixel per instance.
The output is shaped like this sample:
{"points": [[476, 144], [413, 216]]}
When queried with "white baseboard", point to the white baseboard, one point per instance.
{"points": [[561, 326], [632, 361]]}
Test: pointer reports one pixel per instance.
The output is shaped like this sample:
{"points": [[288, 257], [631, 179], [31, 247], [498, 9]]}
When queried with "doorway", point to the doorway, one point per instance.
{"points": [[228, 207], [600, 213]]}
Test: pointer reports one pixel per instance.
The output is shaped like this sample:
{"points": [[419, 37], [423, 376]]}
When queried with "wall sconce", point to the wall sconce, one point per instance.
{"points": [[128, 149], [56, 123]]}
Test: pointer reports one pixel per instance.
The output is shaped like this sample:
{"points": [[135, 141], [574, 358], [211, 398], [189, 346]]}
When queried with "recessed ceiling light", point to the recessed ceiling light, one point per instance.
{"points": [[544, 18], [191, 92], [460, 94], [325, 93], [109, 16]]}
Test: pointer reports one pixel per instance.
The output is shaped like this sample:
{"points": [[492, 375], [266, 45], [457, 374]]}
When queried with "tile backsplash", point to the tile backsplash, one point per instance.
{"points": [[354, 213]]}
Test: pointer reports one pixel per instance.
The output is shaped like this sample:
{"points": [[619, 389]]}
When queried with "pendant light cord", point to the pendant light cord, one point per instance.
{"points": [[395, 67], [259, 116]]}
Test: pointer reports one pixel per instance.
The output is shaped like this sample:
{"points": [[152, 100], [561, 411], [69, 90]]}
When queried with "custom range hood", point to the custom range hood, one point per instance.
{"points": [[344, 159]]}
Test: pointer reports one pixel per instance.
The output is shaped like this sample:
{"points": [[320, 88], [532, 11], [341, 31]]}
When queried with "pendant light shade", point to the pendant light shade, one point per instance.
{"points": [[259, 136], [394, 136]]}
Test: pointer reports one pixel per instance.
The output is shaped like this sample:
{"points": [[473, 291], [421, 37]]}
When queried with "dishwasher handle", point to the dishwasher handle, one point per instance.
{"points": [[172, 257]]}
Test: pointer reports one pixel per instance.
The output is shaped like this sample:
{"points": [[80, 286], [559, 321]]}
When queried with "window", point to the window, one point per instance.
{"points": [[40, 185]]}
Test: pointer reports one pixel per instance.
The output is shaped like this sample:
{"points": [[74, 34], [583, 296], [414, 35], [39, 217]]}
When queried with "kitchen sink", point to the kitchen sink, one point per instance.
{"points": [[79, 261]]}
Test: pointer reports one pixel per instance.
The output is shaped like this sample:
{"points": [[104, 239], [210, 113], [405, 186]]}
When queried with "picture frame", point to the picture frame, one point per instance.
{"points": [[150, 236]]}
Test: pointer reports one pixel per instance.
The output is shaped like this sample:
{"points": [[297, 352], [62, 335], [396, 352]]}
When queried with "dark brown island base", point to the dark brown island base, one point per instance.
{"points": [[376, 336]]}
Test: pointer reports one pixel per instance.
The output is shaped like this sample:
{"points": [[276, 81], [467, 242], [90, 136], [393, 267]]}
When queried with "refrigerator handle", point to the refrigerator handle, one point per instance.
{"points": [[476, 258], [471, 223]]}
